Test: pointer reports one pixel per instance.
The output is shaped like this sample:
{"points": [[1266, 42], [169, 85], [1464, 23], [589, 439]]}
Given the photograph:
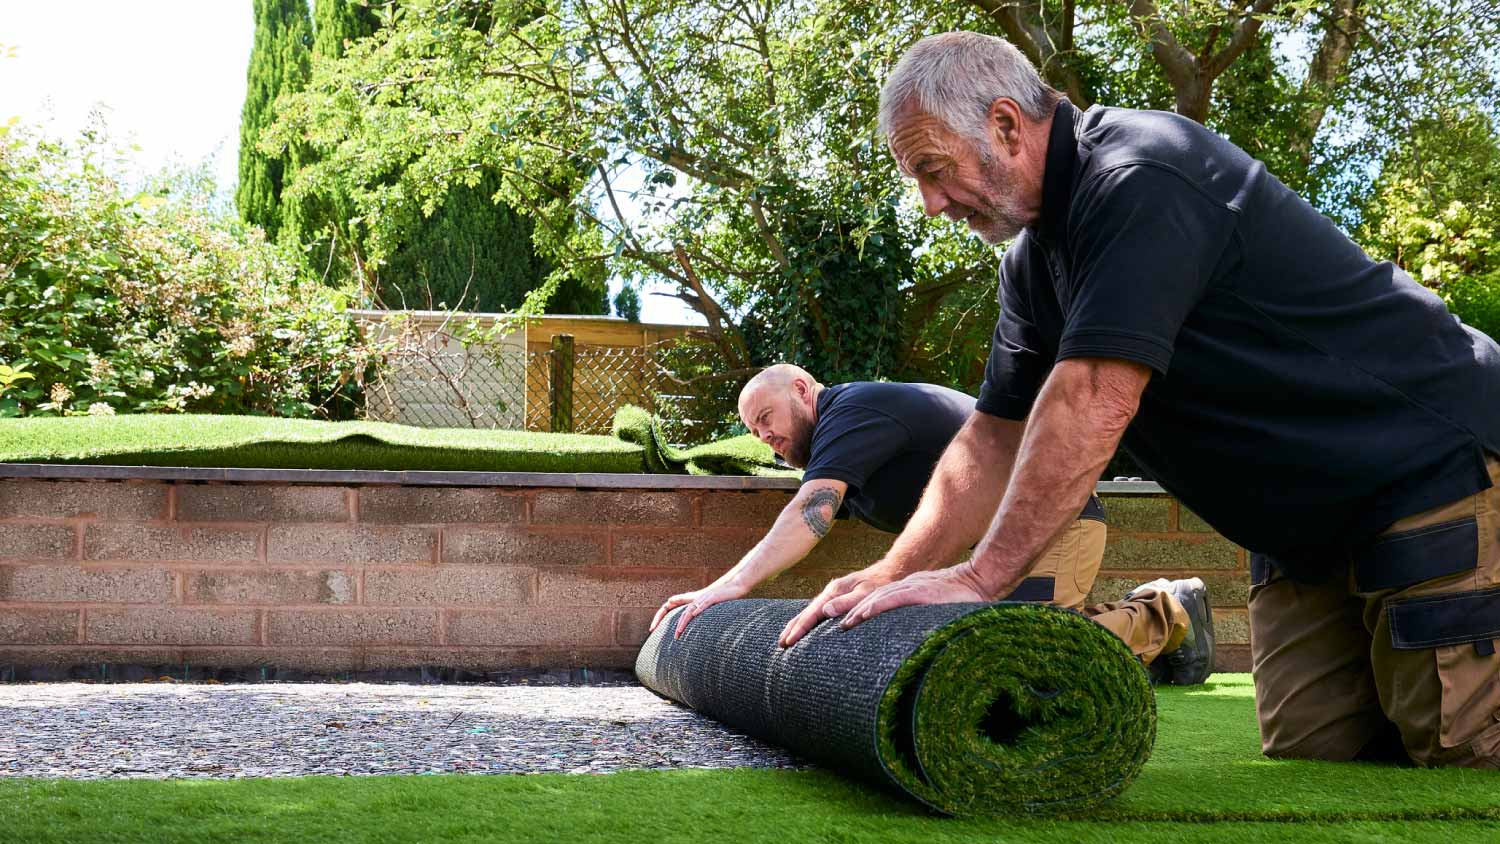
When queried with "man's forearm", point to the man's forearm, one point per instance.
{"points": [[1073, 431], [798, 529], [960, 499]]}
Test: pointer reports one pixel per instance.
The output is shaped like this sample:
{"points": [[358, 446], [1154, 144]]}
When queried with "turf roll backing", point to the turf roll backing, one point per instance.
{"points": [[972, 709]]}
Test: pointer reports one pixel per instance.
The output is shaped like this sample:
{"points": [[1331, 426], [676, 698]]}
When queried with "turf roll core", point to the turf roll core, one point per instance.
{"points": [[973, 709]]}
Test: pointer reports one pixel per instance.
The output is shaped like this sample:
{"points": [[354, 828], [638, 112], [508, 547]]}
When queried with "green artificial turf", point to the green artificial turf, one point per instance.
{"points": [[262, 442], [742, 455], [964, 681], [1205, 782], [265, 442]]}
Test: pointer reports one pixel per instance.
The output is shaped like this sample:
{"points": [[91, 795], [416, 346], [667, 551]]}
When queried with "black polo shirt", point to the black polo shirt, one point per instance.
{"points": [[884, 440], [1304, 396]]}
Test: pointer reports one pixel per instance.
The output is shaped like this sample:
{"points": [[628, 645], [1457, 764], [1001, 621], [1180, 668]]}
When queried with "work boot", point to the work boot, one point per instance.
{"points": [[1192, 661]]}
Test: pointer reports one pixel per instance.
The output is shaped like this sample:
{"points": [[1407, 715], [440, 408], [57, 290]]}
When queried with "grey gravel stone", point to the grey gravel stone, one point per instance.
{"points": [[175, 730]]}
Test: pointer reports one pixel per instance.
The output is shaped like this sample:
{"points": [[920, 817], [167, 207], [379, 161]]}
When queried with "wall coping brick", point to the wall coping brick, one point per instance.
{"points": [[559, 480]]}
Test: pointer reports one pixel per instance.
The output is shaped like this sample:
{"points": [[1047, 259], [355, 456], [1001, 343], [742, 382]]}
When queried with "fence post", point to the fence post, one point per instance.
{"points": [[560, 390]]}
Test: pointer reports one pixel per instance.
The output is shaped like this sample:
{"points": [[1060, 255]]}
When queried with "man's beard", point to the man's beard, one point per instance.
{"points": [[1002, 216], [799, 441]]}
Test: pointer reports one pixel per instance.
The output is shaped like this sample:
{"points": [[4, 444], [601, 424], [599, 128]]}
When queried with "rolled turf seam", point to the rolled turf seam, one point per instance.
{"points": [[972, 709], [742, 455]]}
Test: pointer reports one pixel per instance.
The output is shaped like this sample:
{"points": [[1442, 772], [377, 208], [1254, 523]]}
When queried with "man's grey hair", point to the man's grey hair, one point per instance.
{"points": [[955, 76]]}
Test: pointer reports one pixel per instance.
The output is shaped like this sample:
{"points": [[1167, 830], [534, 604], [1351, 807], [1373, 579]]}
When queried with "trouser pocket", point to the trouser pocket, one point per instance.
{"points": [[1460, 630]]}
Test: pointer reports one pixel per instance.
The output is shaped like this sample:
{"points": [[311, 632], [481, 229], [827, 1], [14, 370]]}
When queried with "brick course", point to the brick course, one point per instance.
{"points": [[337, 545], [436, 505], [107, 500], [36, 542], [473, 546], [262, 503], [78, 584], [269, 587], [338, 578], [496, 586], [169, 626], [154, 543], [673, 509]]}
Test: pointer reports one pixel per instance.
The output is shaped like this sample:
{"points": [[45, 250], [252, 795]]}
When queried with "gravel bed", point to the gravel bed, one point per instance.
{"points": [[161, 730]]}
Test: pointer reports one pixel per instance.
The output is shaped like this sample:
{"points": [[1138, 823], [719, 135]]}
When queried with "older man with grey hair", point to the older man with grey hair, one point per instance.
{"points": [[1166, 293]]}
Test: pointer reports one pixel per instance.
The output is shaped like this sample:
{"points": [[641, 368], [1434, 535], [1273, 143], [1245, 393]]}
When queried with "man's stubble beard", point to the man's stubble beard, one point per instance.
{"points": [[1004, 214]]}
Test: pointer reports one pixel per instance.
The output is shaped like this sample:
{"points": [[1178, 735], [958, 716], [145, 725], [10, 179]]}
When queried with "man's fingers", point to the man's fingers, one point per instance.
{"points": [[672, 603], [811, 614], [843, 603], [805, 621], [875, 603], [687, 615], [798, 627]]}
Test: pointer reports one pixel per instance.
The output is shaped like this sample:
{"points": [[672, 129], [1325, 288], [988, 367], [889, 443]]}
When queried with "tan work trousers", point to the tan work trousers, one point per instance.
{"points": [[1151, 623], [1394, 659]]}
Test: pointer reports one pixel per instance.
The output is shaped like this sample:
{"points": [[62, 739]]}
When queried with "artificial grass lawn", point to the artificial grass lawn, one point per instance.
{"points": [[268, 443], [1206, 782], [261, 442]]}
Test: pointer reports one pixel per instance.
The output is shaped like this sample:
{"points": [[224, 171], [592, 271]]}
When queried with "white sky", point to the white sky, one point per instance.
{"points": [[167, 75]]}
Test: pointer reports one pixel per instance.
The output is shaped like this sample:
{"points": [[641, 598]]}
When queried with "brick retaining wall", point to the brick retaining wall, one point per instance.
{"points": [[349, 577]]}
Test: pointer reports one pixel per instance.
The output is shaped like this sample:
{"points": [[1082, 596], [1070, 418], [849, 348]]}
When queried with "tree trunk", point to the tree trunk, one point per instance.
{"points": [[1326, 71]]}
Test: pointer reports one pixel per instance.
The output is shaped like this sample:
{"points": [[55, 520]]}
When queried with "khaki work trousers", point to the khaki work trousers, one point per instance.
{"points": [[1151, 623], [1395, 658]]}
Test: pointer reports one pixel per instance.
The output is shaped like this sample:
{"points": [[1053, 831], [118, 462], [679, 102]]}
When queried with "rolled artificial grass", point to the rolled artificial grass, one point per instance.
{"points": [[972, 709], [272, 443], [742, 455]]}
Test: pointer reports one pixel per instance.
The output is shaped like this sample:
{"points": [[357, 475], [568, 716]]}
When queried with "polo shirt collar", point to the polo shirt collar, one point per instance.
{"points": [[1057, 178]]}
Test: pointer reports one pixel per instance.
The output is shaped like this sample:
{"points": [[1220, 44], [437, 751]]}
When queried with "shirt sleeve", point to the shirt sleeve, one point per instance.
{"points": [[1144, 243], [1020, 357], [852, 443]]}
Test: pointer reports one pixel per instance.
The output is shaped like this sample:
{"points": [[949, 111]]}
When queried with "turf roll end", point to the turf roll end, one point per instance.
{"points": [[973, 709]]}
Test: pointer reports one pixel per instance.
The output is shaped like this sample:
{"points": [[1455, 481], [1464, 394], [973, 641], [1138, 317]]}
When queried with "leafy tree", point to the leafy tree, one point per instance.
{"points": [[1435, 212], [279, 63], [628, 304], [465, 250], [730, 149]]}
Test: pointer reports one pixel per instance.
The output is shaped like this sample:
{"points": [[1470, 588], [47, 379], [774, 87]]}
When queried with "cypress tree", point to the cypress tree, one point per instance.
{"points": [[336, 23], [476, 254], [321, 218], [280, 60]]}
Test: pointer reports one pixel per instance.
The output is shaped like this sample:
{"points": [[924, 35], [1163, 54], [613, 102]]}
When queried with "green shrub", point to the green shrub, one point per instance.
{"points": [[155, 301]]}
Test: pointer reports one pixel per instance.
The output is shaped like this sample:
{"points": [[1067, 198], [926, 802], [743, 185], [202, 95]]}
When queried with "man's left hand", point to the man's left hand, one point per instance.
{"points": [[945, 586]]}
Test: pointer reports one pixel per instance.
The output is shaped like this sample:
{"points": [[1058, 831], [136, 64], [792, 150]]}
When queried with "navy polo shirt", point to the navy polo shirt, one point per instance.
{"points": [[884, 440], [1303, 397]]}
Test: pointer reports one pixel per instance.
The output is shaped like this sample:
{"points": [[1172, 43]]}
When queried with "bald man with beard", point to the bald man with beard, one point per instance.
{"points": [[868, 449]]}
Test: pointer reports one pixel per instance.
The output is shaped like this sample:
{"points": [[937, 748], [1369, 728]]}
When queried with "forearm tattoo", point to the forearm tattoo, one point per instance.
{"points": [[819, 509]]}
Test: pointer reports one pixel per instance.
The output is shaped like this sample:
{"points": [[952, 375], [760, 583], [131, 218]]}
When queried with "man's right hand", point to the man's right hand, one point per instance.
{"points": [[838, 597], [697, 601]]}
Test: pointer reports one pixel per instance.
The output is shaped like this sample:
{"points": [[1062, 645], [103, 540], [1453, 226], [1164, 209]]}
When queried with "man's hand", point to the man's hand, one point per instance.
{"points": [[958, 584], [697, 601], [836, 598]]}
